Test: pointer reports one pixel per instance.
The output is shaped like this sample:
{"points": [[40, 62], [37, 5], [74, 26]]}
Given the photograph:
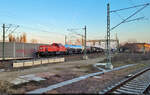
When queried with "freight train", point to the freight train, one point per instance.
{"points": [[59, 49]]}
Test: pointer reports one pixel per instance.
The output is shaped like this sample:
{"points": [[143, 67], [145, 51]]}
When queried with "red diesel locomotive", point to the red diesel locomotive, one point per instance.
{"points": [[53, 49]]}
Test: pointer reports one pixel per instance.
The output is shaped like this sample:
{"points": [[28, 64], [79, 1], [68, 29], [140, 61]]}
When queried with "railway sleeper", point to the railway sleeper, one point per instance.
{"points": [[137, 84], [116, 92], [132, 90], [131, 87], [127, 92], [143, 80], [139, 80]]}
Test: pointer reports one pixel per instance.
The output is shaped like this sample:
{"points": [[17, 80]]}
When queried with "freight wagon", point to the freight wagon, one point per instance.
{"points": [[74, 49], [59, 49]]}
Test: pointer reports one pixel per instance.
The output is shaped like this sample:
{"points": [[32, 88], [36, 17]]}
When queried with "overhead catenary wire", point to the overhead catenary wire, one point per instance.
{"points": [[40, 30], [135, 19], [119, 16], [9, 27], [144, 6], [130, 7], [32, 29], [23, 28], [132, 3], [12, 30]]}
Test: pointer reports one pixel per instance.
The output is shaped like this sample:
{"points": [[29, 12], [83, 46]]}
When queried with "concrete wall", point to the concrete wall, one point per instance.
{"points": [[18, 50], [37, 62]]}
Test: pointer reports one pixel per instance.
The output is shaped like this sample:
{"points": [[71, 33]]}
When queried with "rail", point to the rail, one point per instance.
{"points": [[136, 84]]}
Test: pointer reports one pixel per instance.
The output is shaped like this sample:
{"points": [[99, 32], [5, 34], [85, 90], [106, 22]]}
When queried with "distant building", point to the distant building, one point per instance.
{"points": [[135, 47], [102, 44]]}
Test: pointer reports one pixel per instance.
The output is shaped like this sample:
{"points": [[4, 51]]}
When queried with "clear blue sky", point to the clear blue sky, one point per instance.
{"points": [[56, 16]]}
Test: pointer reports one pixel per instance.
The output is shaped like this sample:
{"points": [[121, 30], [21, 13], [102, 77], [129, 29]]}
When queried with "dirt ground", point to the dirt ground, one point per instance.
{"points": [[69, 70], [94, 85], [80, 66], [76, 68]]}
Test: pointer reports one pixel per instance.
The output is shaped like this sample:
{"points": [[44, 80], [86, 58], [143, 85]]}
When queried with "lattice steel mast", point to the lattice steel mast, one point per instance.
{"points": [[108, 52]]}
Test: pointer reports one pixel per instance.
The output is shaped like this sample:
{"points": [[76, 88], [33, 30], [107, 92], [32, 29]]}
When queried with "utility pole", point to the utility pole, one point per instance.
{"points": [[3, 48], [4, 31], [65, 39], [117, 39], [82, 41], [85, 48], [144, 49], [108, 52]]}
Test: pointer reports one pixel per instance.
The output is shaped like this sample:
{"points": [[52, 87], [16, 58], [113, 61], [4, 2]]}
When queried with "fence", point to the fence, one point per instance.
{"points": [[18, 50]]}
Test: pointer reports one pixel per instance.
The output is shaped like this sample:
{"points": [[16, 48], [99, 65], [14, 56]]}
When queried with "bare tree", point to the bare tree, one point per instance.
{"points": [[24, 37], [11, 38], [34, 41]]}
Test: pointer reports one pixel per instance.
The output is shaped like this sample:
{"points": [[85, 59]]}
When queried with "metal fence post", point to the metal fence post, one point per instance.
{"points": [[14, 50], [23, 50]]}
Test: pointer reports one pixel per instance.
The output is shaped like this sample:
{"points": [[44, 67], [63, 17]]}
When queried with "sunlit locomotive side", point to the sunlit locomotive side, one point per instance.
{"points": [[53, 49]]}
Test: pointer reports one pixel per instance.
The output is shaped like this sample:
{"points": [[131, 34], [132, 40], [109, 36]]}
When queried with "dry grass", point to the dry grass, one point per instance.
{"points": [[132, 69], [124, 59], [86, 68], [6, 87], [127, 57]]}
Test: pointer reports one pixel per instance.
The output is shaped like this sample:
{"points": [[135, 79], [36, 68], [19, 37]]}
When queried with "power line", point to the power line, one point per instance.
{"points": [[132, 3], [119, 16], [9, 27], [3, 45], [144, 6], [130, 7], [135, 19], [40, 30], [85, 46], [34, 29]]}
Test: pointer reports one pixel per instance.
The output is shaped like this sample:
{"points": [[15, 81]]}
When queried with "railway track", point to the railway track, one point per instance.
{"points": [[66, 56], [7, 64], [137, 84]]}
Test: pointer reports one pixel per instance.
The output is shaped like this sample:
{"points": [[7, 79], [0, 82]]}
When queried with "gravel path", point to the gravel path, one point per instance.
{"points": [[53, 68]]}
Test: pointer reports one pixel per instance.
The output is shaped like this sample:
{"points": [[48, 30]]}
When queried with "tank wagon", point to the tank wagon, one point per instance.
{"points": [[95, 49], [77, 49], [74, 49], [58, 49]]}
